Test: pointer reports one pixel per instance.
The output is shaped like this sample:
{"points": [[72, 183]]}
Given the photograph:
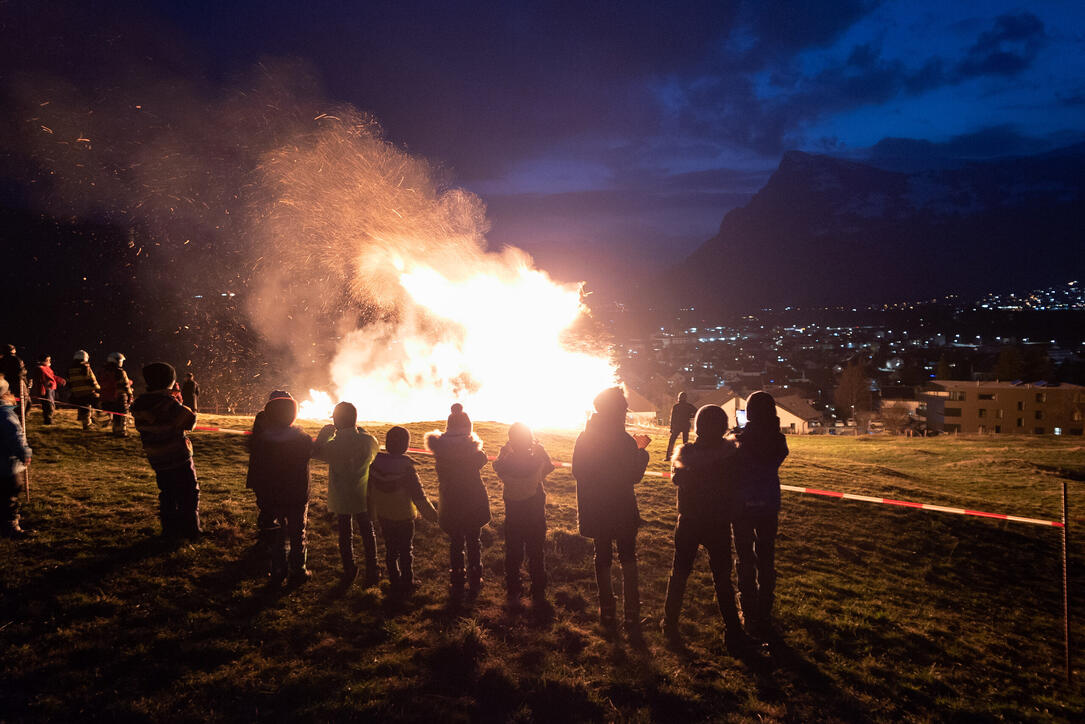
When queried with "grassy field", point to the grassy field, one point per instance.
{"points": [[885, 613]]}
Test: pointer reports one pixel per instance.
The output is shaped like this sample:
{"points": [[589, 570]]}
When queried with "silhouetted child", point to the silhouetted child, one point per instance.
{"points": [[607, 463], [522, 465], [14, 457], [279, 455], [395, 498], [762, 448], [349, 450], [463, 506], [705, 473], [163, 424]]}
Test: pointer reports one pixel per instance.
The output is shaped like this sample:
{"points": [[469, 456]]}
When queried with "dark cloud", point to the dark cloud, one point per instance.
{"points": [[1006, 49], [777, 29], [984, 144]]}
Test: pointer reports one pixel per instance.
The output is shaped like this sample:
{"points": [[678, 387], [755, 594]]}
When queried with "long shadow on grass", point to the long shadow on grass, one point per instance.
{"points": [[86, 572], [453, 683], [786, 665]]}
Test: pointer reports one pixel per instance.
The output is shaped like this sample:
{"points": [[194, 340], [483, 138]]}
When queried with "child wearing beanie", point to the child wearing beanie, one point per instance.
{"points": [[349, 450], [762, 449], [163, 424], [464, 506], [522, 465], [279, 453], [395, 499]]}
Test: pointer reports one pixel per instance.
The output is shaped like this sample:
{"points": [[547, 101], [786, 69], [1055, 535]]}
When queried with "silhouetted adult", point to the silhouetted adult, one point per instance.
{"points": [[681, 417], [607, 463], [705, 474], [190, 392], [762, 449], [84, 388]]}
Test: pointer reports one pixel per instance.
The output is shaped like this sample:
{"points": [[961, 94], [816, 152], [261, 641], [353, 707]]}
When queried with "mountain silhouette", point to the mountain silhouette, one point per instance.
{"points": [[827, 231]]}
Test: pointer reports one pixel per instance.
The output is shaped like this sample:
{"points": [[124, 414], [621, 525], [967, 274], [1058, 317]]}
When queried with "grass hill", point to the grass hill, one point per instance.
{"points": [[886, 613]]}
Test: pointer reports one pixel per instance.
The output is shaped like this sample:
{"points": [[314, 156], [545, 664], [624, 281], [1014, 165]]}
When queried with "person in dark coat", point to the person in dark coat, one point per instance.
{"points": [[607, 463], [681, 418], [116, 392], [190, 392], [163, 424], [762, 449], [279, 453], [14, 459], [463, 505], [14, 371], [705, 474], [522, 465], [84, 388], [43, 387]]}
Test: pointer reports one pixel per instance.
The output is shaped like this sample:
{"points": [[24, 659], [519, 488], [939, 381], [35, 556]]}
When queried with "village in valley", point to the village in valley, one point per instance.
{"points": [[1002, 364]]}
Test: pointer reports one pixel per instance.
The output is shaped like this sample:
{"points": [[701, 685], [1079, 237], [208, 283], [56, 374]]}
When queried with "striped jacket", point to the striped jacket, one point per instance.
{"points": [[82, 383], [162, 423]]}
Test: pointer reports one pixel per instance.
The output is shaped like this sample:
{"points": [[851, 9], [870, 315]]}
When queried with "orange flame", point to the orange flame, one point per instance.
{"points": [[497, 349]]}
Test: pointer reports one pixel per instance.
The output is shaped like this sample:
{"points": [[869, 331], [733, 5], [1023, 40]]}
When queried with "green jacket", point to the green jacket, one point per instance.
{"points": [[349, 454]]}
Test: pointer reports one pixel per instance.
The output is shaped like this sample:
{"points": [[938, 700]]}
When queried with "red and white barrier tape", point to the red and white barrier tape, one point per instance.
{"points": [[860, 498], [790, 488], [922, 506]]}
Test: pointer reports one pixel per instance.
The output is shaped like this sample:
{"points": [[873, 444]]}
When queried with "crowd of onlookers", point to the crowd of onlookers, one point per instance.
{"points": [[727, 483]]}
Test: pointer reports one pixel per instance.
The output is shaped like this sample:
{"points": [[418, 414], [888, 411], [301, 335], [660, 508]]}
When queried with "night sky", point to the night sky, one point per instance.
{"points": [[614, 134]]}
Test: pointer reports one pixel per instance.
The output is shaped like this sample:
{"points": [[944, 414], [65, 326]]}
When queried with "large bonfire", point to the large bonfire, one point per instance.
{"points": [[354, 222]]}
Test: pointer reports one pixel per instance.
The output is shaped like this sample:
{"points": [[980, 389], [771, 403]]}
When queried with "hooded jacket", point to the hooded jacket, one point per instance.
{"points": [[279, 455], [14, 452], [162, 423], [462, 499], [705, 473], [348, 454], [395, 492], [607, 464], [762, 449], [522, 471]]}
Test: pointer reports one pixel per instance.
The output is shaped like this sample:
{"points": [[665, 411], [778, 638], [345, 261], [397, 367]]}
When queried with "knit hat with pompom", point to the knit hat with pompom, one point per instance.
{"points": [[458, 422]]}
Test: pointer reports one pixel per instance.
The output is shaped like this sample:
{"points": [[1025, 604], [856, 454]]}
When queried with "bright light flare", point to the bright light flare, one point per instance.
{"points": [[491, 340], [319, 406]]}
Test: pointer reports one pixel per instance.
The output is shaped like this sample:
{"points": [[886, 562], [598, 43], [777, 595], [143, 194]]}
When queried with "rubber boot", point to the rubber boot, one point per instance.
{"points": [[608, 614], [474, 578], [456, 579], [277, 555], [372, 573], [298, 572]]}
